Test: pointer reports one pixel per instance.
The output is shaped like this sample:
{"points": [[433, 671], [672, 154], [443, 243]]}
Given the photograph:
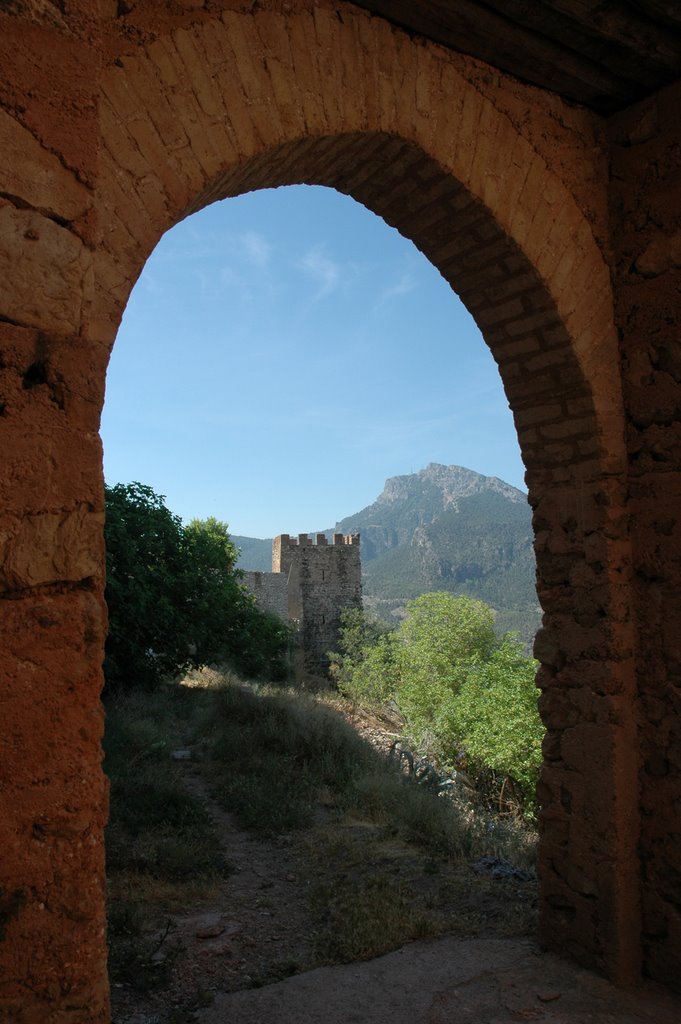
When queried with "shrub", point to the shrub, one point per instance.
{"points": [[496, 716], [363, 666], [465, 696]]}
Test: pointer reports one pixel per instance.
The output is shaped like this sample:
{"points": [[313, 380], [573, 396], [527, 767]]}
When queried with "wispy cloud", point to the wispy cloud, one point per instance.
{"points": [[403, 286], [229, 278], [256, 248], [322, 269], [204, 281], [252, 246]]}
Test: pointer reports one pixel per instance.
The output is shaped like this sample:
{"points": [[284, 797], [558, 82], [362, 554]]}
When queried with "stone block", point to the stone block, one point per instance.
{"points": [[51, 547], [45, 272], [51, 829], [35, 175]]}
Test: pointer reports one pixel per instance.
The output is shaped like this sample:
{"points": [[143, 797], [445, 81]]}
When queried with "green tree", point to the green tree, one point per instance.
{"points": [[211, 544], [361, 666], [463, 694], [146, 588], [217, 604], [496, 716], [374, 678], [440, 634], [437, 644], [175, 598], [228, 623]]}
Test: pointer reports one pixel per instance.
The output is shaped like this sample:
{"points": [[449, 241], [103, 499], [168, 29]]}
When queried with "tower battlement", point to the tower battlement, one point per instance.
{"points": [[323, 579], [320, 540]]}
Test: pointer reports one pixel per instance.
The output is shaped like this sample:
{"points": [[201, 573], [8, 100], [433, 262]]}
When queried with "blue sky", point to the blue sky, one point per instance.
{"points": [[282, 354]]}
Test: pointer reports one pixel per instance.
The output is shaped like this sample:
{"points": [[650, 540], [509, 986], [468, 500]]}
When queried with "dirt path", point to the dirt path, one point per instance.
{"points": [[233, 956], [257, 928], [447, 981], [253, 929]]}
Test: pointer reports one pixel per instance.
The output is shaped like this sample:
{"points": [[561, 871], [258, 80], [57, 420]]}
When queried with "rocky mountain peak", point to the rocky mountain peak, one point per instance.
{"points": [[449, 483]]}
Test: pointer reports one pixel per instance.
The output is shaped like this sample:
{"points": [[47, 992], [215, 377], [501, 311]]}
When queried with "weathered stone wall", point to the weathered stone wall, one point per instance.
{"points": [[559, 231], [52, 615], [323, 579], [270, 590], [646, 220]]}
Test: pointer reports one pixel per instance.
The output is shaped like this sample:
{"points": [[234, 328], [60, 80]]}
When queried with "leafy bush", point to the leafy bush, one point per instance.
{"points": [[363, 666], [466, 697], [442, 633], [146, 570], [497, 719], [440, 641]]}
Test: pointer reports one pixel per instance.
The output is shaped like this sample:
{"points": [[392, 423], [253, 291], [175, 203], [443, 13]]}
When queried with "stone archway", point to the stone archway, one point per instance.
{"points": [[512, 209]]}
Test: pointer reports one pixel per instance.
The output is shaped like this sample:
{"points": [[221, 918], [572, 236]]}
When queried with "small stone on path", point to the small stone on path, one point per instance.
{"points": [[211, 932]]}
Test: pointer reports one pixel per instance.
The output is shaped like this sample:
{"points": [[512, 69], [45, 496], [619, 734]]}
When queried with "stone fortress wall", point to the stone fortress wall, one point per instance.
{"points": [[270, 590], [310, 584]]}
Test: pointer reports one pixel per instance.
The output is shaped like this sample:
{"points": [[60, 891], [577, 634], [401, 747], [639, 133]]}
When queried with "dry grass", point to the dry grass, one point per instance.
{"points": [[139, 888], [432, 893], [388, 860]]}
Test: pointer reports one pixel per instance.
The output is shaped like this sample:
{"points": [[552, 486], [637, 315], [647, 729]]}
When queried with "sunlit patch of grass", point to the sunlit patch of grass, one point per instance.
{"points": [[361, 922]]}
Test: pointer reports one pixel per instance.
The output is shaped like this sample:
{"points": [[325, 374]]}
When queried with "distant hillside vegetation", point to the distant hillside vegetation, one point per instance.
{"points": [[254, 554], [443, 528], [449, 528]]}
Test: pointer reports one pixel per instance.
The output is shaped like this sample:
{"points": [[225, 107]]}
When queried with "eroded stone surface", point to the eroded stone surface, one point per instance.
{"points": [[45, 272], [36, 176], [442, 981]]}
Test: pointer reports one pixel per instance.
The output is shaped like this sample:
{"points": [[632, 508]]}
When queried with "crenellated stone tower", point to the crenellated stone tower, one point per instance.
{"points": [[322, 579]]}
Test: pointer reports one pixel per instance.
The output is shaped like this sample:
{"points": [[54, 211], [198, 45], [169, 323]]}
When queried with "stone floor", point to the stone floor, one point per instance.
{"points": [[447, 981]]}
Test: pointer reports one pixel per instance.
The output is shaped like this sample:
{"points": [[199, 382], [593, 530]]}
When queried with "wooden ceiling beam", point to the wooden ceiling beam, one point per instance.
{"points": [[615, 39], [666, 12], [472, 28], [604, 54]]}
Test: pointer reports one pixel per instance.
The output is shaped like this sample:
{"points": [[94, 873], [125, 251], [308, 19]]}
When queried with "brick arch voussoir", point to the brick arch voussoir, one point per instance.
{"points": [[238, 102], [182, 114], [547, 389]]}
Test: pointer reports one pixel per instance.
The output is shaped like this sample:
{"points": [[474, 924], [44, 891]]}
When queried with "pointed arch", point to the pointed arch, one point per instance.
{"points": [[240, 102]]}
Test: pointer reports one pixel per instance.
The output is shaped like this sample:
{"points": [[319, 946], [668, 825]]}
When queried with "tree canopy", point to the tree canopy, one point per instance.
{"points": [[174, 596]]}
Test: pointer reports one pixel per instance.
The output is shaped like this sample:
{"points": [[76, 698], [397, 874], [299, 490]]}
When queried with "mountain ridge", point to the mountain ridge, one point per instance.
{"points": [[412, 500], [441, 528]]}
